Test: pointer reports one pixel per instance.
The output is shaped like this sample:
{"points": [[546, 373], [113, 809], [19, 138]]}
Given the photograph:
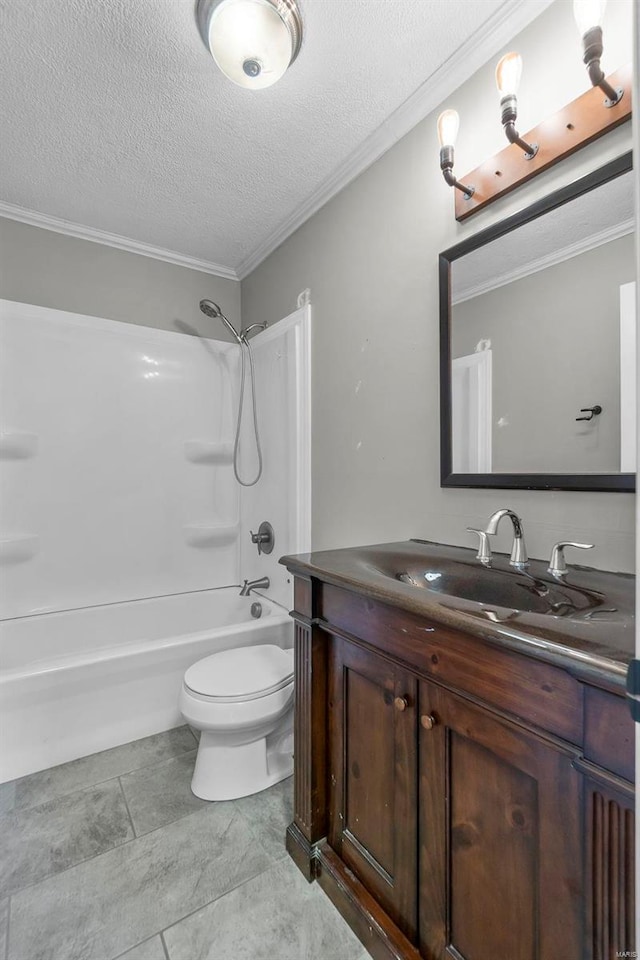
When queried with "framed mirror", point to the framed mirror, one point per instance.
{"points": [[537, 344]]}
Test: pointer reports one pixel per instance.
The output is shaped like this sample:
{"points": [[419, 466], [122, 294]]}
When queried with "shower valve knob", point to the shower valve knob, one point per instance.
{"points": [[264, 538]]}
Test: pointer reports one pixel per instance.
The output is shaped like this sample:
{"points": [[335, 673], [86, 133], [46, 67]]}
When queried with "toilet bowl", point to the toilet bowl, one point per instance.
{"points": [[242, 702]]}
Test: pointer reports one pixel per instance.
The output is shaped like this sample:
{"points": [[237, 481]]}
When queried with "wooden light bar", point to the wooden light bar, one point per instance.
{"points": [[579, 123]]}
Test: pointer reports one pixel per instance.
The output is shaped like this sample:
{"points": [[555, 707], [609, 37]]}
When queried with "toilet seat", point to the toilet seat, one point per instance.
{"points": [[239, 675]]}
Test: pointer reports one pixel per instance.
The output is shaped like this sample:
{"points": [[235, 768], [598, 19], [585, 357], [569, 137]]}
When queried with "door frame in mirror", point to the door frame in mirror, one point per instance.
{"points": [[604, 482]]}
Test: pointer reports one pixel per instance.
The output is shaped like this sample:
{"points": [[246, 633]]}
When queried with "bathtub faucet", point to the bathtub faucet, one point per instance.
{"points": [[262, 584]]}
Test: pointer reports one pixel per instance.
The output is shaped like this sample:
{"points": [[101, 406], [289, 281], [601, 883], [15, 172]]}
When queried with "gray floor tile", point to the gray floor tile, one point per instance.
{"points": [[87, 771], [276, 915], [4, 924], [149, 950], [161, 794], [105, 906], [268, 815], [37, 843]]}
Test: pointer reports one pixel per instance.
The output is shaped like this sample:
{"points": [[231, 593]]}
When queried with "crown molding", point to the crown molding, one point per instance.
{"points": [[549, 260], [512, 17], [81, 232]]}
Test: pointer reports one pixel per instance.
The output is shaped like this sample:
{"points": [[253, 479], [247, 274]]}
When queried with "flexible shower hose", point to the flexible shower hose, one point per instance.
{"points": [[247, 483]]}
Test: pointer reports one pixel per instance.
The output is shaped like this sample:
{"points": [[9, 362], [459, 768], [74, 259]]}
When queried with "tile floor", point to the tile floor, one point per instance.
{"points": [[111, 856]]}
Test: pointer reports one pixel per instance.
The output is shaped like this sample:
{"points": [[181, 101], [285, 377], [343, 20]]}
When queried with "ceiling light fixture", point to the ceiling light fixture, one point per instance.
{"points": [[508, 73], [253, 42], [589, 15], [448, 124]]}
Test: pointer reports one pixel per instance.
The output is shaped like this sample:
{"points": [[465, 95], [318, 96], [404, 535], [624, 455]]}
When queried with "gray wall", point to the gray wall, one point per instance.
{"points": [[555, 338], [370, 259], [52, 270]]}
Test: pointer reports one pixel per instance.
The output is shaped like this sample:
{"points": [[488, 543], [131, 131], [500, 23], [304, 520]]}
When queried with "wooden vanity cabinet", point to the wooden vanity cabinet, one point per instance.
{"points": [[439, 823], [493, 804]]}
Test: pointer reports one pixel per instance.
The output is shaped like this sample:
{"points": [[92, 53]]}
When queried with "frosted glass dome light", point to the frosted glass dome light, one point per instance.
{"points": [[253, 41]]}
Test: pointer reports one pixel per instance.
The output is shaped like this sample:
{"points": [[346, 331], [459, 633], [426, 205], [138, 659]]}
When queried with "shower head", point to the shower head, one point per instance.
{"points": [[211, 309], [253, 326]]}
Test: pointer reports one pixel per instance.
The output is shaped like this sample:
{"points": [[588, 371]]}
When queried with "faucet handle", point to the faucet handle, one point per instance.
{"points": [[258, 539], [484, 547], [557, 564], [264, 538]]}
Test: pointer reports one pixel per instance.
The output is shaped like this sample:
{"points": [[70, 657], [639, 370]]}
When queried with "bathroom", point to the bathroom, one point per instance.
{"points": [[132, 190]]}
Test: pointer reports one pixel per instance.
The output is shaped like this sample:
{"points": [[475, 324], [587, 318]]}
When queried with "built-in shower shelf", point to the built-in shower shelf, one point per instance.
{"points": [[210, 535], [15, 445], [18, 548], [209, 451]]}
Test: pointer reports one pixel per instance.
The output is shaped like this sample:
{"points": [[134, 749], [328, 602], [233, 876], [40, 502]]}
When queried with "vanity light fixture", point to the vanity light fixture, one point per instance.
{"points": [[570, 128], [508, 73], [589, 15], [254, 42], [448, 125]]}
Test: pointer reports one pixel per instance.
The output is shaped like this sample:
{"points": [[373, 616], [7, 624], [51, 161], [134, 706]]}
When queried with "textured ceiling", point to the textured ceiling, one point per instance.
{"points": [[115, 117]]}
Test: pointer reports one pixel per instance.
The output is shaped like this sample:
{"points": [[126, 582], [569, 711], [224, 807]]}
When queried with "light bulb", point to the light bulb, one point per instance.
{"points": [[250, 42], [448, 124], [588, 14], [508, 73]]}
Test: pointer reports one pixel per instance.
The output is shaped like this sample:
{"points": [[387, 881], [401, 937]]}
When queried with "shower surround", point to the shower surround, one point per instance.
{"points": [[117, 487]]}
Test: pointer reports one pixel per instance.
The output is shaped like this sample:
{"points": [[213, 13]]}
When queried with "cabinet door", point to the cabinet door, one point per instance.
{"points": [[500, 838], [373, 776]]}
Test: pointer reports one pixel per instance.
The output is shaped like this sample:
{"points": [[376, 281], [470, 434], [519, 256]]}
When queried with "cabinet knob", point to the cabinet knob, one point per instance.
{"points": [[401, 703], [428, 721]]}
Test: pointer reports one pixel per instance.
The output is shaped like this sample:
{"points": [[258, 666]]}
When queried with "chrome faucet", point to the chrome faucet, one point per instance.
{"points": [[262, 584], [557, 564], [519, 556]]}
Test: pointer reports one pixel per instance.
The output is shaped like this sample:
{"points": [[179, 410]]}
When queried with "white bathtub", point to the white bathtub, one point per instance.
{"points": [[77, 682]]}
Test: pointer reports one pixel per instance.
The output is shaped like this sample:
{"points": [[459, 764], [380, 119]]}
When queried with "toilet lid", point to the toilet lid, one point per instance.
{"points": [[242, 674]]}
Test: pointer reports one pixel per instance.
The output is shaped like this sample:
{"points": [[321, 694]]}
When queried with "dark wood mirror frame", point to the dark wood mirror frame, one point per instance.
{"points": [[611, 482]]}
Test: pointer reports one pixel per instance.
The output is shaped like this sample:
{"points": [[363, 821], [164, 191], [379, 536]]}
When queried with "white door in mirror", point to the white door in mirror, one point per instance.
{"points": [[628, 377], [471, 382]]}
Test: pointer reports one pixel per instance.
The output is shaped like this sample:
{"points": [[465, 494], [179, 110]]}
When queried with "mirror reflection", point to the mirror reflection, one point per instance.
{"points": [[542, 343]]}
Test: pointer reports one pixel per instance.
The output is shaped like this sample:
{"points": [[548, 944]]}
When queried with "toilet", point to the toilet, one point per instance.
{"points": [[242, 702]]}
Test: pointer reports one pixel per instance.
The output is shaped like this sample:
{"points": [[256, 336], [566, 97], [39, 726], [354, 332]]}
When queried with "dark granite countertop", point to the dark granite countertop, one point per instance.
{"points": [[583, 622]]}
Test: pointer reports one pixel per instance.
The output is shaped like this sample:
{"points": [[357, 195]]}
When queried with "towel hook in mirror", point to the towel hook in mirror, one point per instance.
{"points": [[592, 411]]}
